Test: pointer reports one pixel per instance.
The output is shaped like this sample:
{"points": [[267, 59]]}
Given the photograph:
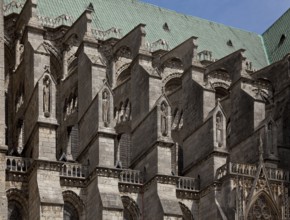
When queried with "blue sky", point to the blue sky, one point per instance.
{"points": [[250, 15]]}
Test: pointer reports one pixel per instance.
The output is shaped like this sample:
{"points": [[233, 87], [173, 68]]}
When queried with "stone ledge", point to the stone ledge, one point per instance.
{"points": [[130, 188], [73, 182], [15, 176], [187, 194]]}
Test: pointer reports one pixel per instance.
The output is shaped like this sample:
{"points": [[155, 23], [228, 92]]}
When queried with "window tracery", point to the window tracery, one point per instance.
{"points": [[262, 210], [131, 209], [187, 215]]}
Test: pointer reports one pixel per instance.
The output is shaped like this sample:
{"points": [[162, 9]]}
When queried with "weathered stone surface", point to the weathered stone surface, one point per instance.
{"points": [[111, 129]]}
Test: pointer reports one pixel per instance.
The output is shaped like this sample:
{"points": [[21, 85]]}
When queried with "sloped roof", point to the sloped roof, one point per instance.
{"points": [[126, 14], [276, 46]]}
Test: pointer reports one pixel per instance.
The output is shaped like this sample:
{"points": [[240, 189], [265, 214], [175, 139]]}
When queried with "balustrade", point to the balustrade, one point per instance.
{"points": [[244, 169], [222, 171], [17, 164], [251, 170], [73, 170], [187, 183], [131, 176], [277, 174]]}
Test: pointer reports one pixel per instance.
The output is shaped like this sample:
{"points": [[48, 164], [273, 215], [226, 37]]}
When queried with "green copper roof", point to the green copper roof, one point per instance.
{"points": [[277, 38], [126, 14]]}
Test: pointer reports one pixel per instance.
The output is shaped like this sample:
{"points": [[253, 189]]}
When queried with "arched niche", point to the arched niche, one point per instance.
{"points": [[15, 211], [123, 53], [106, 106], [221, 92], [123, 59], [262, 207], [186, 213], [17, 205], [164, 116], [70, 212], [73, 206], [172, 85], [220, 81], [220, 129], [123, 76], [48, 95], [173, 63], [131, 209]]}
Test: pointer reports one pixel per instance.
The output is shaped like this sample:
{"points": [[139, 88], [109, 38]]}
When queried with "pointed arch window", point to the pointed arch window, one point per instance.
{"points": [[187, 215], [282, 40], [262, 209]]}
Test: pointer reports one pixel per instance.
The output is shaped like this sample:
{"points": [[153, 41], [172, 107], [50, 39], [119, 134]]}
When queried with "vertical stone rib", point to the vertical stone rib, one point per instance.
{"points": [[2, 78], [3, 147]]}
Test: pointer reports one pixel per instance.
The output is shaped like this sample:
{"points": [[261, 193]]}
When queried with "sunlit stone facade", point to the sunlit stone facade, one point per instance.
{"points": [[102, 124]]}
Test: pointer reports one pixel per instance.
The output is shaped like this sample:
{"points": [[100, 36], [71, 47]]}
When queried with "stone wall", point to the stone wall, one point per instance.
{"points": [[99, 123]]}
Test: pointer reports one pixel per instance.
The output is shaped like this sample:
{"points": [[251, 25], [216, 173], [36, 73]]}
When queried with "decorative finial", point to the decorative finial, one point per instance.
{"points": [[91, 7], [46, 69]]}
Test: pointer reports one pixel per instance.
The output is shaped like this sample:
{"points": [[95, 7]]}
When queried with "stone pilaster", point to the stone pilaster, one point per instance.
{"points": [[45, 200], [2, 79], [104, 200], [97, 141], [159, 199], [40, 90], [153, 145], [3, 204], [91, 75], [3, 147], [246, 102]]}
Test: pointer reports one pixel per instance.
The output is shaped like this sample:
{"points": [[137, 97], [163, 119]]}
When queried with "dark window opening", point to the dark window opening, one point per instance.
{"points": [[230, 43], [173, 85], [282, 40], [220, 93], [166, 27], [125, 75], [70, 212], [15, 211]]}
